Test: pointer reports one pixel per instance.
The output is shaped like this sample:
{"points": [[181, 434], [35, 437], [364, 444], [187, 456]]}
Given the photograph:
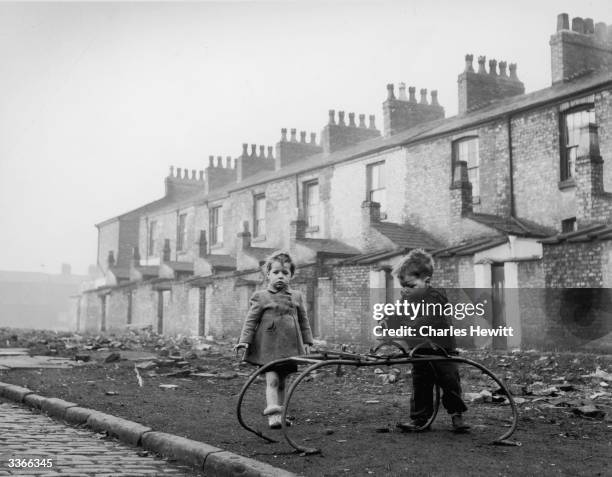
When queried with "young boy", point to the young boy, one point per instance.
{"points": [[276, 327], [414, 273]]}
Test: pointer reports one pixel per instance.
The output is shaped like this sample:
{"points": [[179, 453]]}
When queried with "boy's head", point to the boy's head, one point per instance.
{"points": [[279, 269], [415, 270]]}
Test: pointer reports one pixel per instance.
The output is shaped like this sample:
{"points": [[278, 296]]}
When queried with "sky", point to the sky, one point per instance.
{"points": [[98, 100]]}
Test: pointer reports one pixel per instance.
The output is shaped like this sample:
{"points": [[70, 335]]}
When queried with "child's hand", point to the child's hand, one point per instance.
{"points": [[306, 349], [239, 347]]}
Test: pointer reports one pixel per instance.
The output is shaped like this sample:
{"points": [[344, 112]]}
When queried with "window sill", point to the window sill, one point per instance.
{"points": [[567, 183], [216, 246], [260, 238], [314, 228]]}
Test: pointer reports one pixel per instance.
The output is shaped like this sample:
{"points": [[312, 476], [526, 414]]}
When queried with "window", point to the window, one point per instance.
{"points": [[216, 226], [180, 232], [151, 245], [467, 150], [311, 203], [376, 185], [568, 225], [572, 123], [259, 216]]}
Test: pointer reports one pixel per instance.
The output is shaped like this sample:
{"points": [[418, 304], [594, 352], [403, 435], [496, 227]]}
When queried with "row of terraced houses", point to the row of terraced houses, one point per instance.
{"points": [[511, 195]]}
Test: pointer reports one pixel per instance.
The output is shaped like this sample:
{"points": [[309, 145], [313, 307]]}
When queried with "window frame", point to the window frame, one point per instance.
{"points": [[569, 221], [216, 225], [308, 207], [455, 153], [370, 191], [181, 231], [566, 171], [258, 230], [151, 238]]}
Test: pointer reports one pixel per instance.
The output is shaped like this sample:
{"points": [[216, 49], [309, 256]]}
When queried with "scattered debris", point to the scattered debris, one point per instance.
{"points": [[168, 386]]}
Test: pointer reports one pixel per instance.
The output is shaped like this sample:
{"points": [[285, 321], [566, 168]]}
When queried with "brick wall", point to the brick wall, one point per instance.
{"points": [[108, 240], [352, 320], [116, 310]]}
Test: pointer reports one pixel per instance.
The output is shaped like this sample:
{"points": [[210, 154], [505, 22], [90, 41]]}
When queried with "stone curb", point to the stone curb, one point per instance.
{"points": [[14, 393], [212, 460]]}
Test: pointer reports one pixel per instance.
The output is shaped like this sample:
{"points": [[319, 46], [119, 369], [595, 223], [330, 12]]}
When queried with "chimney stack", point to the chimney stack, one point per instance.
{"points": [[405, 112], [581, 50]]}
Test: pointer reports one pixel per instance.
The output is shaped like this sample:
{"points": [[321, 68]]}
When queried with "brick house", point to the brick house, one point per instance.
{"points": [[512, 196]]}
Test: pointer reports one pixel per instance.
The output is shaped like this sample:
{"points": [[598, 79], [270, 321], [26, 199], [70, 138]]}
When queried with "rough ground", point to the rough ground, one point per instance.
{"points": [[565, 406]]}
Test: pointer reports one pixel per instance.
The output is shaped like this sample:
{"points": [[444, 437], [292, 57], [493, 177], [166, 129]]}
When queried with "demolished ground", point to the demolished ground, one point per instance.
{"points": [[189, 387]]}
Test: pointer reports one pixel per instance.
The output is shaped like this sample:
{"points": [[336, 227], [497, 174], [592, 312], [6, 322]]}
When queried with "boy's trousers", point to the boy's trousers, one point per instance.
{"points": [[423, 379]]}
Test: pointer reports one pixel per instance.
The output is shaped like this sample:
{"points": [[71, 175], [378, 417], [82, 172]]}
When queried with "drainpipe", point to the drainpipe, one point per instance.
{"points": [[510, 166]]}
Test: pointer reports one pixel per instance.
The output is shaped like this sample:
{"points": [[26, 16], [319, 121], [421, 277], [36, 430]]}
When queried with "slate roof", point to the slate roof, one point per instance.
{"points": [[470, 247], [330, 246], [512, 225], [593, 232], [180, 266], [406, 236], [221, 261], [373, 257]]}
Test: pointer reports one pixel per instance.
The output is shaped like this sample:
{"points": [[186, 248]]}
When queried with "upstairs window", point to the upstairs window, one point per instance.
{"points": [[181, 228], [376, 191], [259, 216], [572, 123], [216, 226], [151, 242], [467, 150], [311, 203], [568, 225]]}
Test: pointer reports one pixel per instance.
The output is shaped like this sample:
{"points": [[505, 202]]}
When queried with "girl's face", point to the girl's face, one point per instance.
{"points": [[279, 275]]}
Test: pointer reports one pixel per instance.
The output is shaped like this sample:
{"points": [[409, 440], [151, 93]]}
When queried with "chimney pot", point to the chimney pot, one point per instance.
{"points": [[423, 96], [332, 115], [562, 21], [402, 92], [372, 119], [412, 94], [390, 94], [219, 161], [601, 31], [293, 138], [502, 69], [512, 68], [341, 118], [434, 98], [253, 150], [283, 134], [179, 172], [245, 148], [589, 27], [362, 123], [270, 155], [171, 171], [228, 162], [352, 120], [211, 161], [186, 174], [468, 63], [578, 25], [262, 152], [481, 64], [193, 174], [313, 138], [201, 176], [493, 67], [302, 136]]}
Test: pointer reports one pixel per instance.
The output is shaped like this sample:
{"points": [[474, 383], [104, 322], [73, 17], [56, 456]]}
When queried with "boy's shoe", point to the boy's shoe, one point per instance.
{"points": [[413, 426], [458, 425]]}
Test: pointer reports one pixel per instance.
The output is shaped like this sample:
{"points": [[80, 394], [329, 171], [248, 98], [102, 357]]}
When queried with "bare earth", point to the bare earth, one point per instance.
{"points": [[358, 437]]}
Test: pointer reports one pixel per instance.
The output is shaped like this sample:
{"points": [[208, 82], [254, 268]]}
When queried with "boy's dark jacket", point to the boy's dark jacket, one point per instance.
{"points": [[437, 321], [276, 326]]}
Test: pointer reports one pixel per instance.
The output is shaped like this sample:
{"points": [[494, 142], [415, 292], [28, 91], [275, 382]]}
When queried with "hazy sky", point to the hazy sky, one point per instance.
{"points": [[97, 100]]}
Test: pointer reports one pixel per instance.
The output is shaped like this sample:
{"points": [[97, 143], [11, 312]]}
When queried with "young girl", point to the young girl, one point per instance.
{"points": [[276, 327]]}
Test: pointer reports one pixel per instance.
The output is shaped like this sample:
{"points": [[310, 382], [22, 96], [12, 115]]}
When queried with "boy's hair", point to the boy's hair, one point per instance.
{"points": [[418, 263], [281, 257]]}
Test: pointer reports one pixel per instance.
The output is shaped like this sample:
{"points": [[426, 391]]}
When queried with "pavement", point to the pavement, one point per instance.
{"points": [[36, 427], [56, 449]]}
